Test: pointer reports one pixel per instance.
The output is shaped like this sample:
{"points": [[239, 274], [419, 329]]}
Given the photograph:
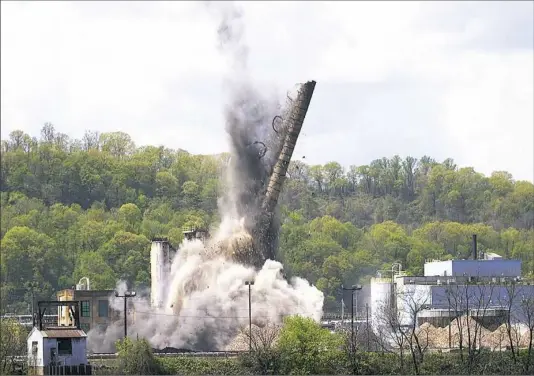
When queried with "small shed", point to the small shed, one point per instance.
{"points": [[55, 348]]}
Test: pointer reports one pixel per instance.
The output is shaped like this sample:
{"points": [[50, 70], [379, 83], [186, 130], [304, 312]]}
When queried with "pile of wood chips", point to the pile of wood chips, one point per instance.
{"points": [[438, 338]]}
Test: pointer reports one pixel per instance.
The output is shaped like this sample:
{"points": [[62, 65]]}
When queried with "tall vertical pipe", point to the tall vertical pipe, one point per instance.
{"points": [[475, 252]]}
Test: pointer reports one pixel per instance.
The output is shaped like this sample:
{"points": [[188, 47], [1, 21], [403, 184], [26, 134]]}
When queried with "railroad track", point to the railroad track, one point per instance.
{"points": [[197, 354]]}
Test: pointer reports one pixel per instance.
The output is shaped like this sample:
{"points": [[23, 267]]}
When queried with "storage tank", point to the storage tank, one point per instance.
{"points": [[380, 297]]}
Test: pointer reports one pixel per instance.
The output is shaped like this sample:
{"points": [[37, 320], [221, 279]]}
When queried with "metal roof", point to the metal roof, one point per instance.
{"points": [[63, 333]]}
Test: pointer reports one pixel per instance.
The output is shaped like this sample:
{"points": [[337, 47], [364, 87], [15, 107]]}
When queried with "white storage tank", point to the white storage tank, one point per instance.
{"points": [[380, 295]]}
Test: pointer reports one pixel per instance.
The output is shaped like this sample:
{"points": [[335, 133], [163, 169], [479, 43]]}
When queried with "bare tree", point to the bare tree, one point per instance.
{"points": [[512, 295], [91, 140], [527, 311], [454, 299], [412, 304], [481, 300], [390, 335], [470, 302], [48, 132], [263, 339]]}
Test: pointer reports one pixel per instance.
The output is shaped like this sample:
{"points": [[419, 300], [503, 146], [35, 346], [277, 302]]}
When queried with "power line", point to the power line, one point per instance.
{"points": [[214, 317]]}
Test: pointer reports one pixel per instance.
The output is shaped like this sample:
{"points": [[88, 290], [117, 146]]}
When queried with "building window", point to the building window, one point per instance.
{"points": [[86, 308], [85, 327], [34, 348], [64, 346], [103, 308]]}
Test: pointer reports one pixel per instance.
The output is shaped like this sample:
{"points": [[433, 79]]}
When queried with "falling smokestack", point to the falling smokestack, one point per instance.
{"points": [[475, 254], [265, 233], [278, 175]]}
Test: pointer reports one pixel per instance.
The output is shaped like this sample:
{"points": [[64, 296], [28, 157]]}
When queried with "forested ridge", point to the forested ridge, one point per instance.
{"points": [[89, 207]]}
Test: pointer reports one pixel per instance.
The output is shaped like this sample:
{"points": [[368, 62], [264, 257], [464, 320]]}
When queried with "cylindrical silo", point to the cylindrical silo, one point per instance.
{"points": [[379, 300], [161, 256]]}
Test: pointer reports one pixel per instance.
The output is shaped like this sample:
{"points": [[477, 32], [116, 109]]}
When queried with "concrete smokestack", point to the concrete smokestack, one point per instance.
{"points": [[297, 115], [265, 231], [475, 252], [161, 256]]}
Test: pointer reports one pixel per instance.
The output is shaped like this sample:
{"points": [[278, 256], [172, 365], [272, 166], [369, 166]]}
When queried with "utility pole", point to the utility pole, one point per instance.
{"points": [[367, 325], [249, 284], [33, 307], [352, 290], [33, 286], [127, 294]]}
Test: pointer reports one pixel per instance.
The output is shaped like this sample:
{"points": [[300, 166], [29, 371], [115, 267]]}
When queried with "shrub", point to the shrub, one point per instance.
{"points": [[135, 357]]}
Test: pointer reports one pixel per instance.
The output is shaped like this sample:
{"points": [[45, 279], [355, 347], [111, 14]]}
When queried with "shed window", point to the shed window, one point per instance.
{"points": [[34, 348], [103, 308], [64, 346], [86, 308]]}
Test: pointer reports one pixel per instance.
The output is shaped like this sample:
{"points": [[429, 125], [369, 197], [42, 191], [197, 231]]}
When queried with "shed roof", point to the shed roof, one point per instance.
{"points": [[63, 333]]}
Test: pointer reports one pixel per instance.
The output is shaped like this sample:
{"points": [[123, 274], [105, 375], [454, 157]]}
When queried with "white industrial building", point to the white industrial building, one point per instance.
{"points": [[490, 287]]}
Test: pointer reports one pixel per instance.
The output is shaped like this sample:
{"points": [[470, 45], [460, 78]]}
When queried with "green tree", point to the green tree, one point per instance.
{"points": [[64, 199], [308, 349], [135, 357], [12, 345], [27, 256], [130, 216], [93, 266]]}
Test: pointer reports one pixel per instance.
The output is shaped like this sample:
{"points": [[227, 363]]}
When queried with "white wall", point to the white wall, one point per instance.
{"points": [[79, 348], [44, 345], [482, 268], [440, 268], [36, 336], [411, 299], [408, 298]]}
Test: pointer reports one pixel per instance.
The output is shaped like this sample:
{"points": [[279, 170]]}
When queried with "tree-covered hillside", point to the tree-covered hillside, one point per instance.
{"points": [[73, 208]]}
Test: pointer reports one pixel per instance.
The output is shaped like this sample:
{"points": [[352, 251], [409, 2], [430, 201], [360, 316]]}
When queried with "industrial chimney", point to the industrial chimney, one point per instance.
{"points": [[475, 254], [161, 256]]}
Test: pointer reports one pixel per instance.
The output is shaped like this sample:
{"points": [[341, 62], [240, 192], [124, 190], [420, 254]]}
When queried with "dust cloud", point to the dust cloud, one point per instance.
{"points": [[207, 303]]}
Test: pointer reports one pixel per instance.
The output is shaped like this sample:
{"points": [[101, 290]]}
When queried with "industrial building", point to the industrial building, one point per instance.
{"points": [[95, 310], [488, 289]]}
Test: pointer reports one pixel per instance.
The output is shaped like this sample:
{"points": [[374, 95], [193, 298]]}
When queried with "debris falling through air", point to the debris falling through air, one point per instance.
{"points": [[207, 301]]}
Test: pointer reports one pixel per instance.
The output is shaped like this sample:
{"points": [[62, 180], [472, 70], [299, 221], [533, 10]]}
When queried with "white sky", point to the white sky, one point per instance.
{"points": [[443, 79]]}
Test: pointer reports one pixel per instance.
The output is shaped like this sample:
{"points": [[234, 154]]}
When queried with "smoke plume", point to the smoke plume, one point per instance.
{"points": [[207, 302]]}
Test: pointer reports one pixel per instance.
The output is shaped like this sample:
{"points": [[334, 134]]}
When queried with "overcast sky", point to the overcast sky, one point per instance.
{"points": [[442, 79]]}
